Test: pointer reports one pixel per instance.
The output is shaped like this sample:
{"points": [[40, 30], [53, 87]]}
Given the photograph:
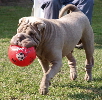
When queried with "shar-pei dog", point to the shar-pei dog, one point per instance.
{"points": [[54, 39]]}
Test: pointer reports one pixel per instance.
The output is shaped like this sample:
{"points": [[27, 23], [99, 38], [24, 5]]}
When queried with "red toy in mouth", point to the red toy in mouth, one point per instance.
{"points": [[21, 56]]}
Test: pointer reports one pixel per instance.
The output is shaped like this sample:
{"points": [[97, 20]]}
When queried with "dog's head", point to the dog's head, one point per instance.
{"points": [[29, 32]]}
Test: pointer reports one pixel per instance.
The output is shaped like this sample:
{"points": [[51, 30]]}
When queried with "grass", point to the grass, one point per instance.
{"points": [[18, 83]]}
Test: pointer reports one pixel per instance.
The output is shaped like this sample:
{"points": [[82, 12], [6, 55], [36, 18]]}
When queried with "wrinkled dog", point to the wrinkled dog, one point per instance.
{"points": [[56, 38]]}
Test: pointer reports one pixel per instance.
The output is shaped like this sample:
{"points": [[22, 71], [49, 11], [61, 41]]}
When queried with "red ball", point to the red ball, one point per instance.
{"points": [[21, 56]]}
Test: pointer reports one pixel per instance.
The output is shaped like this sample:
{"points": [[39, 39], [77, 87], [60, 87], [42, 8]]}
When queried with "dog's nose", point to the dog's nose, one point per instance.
{"points": [[19, 35], [16, 42], [13, 42]]}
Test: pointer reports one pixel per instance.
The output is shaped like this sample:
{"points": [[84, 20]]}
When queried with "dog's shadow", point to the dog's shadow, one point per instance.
{"points": [[98, 41], [89, 90]]}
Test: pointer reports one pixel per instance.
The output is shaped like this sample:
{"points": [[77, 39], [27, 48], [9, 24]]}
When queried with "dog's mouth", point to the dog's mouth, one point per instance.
{"points": [[23, 40]]}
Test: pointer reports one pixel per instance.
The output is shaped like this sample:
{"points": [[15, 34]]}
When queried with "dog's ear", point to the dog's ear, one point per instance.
{"points": [[40, 25], [20, 21], [23, 19]]}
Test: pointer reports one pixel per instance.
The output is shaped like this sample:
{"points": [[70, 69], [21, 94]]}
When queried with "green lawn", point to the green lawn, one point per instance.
{"points": [[18, 83]]}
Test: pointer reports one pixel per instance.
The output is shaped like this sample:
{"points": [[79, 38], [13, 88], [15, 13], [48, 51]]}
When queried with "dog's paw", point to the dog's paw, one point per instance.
{"points": [[44, 88], [88, 77], [73, 75], [43, 91]]}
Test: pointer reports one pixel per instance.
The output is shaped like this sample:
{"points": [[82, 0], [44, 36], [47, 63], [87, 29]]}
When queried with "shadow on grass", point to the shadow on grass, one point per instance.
{"points": [[89, 91], [98, 46], [98, 41], [97, 79], [81, 96]]}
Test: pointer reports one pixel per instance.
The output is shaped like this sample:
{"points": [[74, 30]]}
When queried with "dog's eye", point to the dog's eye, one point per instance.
{"points": [[31, 33], [22, 38]]}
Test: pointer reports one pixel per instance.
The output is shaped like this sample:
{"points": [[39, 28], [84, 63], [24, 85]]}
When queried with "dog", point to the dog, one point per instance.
{"points": [[54, 39]]}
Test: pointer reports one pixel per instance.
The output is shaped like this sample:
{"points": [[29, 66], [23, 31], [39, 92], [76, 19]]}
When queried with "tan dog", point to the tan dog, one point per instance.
{"points": [[56, 38]]}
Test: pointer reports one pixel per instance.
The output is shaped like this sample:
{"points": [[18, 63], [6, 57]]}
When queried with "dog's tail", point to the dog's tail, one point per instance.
{"points": [[68, 8]]}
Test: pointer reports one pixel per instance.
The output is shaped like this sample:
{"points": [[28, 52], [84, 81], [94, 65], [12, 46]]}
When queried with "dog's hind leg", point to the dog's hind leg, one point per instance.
{"points": [[72, 65], [88, 68], [88, 43]]}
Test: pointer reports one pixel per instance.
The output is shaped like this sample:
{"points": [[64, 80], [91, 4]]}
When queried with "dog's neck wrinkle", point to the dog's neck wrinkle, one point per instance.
{"points": [[46, 38], [50, 32]]}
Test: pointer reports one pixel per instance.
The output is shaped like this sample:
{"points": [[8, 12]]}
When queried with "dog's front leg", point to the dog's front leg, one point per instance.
{"points": [[45, 68], [45, 65], [53, 70]]}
